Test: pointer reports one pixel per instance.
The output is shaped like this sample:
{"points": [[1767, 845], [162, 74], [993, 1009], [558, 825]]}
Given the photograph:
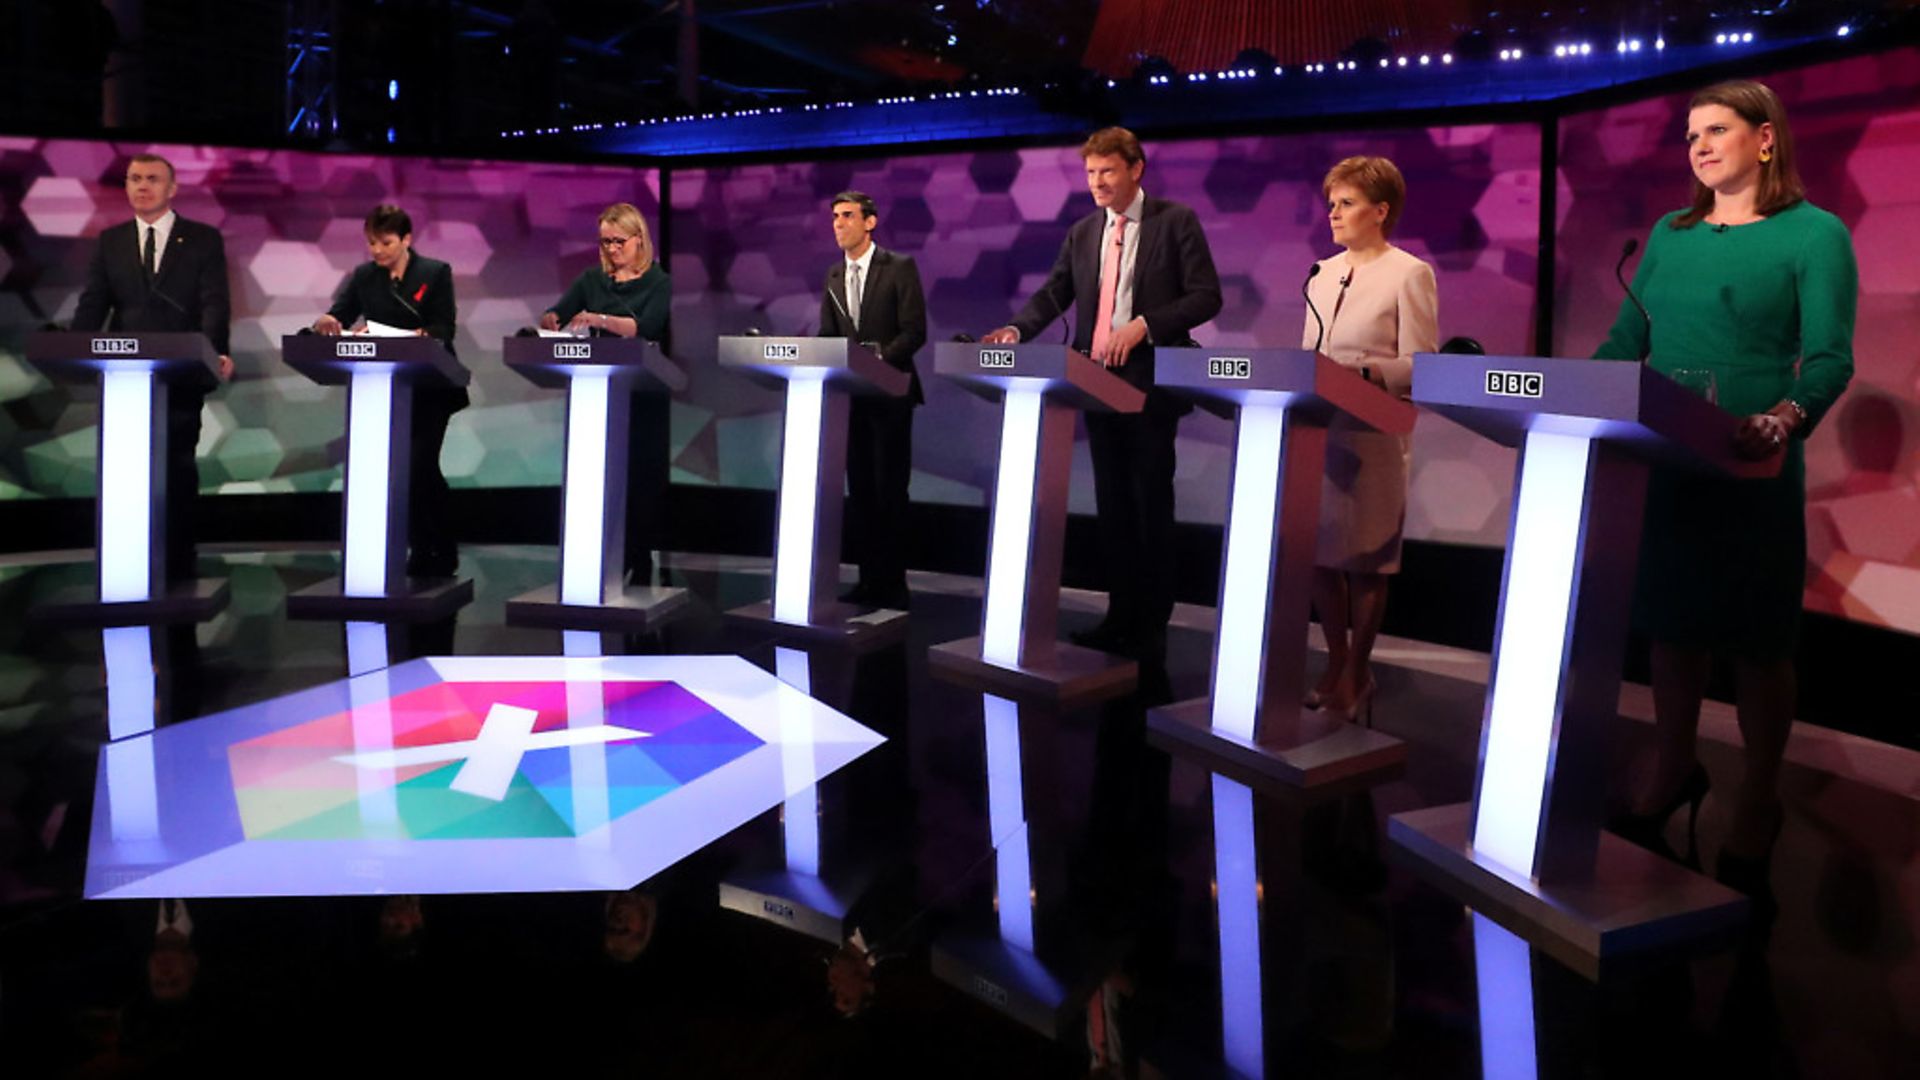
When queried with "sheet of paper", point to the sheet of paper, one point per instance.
{"points": [[380, 329], [555, 333]]}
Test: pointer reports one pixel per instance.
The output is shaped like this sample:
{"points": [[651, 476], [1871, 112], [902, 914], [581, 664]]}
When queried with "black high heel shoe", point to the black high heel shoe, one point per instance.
{"points": [[1650, 830], [1752, 875]]}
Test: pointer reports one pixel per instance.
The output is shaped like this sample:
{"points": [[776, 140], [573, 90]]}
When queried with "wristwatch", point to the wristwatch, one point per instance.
{"points": [[1799, 414]]}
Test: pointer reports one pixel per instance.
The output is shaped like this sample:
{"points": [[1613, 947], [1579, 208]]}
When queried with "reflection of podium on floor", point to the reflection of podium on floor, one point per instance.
{"points": [[1039, 975], [817, 375], [600, 376], [1253, 726], [804, 893], [1528, 851], [1039, 387], [380, 374], [135, 373]]}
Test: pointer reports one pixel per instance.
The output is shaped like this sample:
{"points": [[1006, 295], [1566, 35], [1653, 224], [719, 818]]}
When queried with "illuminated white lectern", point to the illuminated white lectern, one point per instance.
{"points": [[134, 373], [600, 376], [1253, 726], [1528, 851], [1040, 387], [380, 374], [818, 375]]}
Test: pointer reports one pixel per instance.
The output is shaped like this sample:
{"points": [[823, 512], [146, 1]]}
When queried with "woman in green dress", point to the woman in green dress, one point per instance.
{"points": [[1757, 286], [628, 295]]}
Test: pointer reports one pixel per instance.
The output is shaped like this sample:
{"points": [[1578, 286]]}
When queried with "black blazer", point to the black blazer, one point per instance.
{"points": [[188, 295], [422, 298], [1175, 287], [893, 311]]}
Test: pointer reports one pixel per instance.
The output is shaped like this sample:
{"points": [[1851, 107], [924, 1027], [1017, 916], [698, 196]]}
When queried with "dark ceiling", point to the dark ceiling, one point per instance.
{"points": [[460, 72]]}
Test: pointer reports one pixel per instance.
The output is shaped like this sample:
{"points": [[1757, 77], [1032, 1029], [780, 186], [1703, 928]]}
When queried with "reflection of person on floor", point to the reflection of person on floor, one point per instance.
{"points": [[630, 918], [167, 1024], [402, 927]]}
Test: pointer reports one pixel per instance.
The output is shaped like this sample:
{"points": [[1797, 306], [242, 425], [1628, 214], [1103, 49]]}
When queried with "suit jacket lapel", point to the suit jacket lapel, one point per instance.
{"points": [[1149, 236], [876, 269]]}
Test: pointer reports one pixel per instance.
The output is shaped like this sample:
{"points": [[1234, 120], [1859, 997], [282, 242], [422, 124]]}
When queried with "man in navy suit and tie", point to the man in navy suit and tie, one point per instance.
{"points": [[873, 296], [1138, 273], [163, 273]]}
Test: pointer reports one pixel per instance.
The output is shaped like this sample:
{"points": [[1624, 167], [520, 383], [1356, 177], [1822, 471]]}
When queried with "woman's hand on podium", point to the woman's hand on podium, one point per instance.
{"points": [[550, 321], [328, 325], [1761, 436], [224, 367], [1006, 335]]}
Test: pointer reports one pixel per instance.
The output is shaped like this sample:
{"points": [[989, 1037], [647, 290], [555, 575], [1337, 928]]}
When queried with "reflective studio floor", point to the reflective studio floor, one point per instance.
{"points": [[770, 862]]}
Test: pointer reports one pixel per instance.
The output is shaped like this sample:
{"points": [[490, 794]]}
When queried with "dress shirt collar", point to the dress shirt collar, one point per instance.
{"points": [[1135, 211], [865, 261]]}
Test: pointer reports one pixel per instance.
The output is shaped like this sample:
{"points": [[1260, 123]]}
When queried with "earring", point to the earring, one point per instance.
{"points": [[1766, 156]]}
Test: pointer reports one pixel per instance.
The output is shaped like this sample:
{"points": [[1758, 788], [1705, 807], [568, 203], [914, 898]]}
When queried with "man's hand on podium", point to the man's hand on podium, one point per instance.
{"points": [[1006, 335], [1122, 341], [550, 321], [328, 325], [224, 365]]}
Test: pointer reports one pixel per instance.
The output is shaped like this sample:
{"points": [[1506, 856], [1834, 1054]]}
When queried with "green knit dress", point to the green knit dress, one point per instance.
{"points": [[1767, 307]]}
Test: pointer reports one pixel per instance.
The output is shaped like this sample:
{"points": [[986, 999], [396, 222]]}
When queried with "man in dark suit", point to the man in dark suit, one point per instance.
{"points": [[406, 290], [873, 296], [163, 273], [1138, 273]]}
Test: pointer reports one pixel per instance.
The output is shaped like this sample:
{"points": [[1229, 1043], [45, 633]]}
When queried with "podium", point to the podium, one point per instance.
{"points": [[1528, 851], [600, 376], [1018, 651], [818, 376], [135, 373], [1252, 725], [380, 374]]}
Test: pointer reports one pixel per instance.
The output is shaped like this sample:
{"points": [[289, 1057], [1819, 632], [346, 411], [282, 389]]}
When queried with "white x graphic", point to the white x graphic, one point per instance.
{"points": [[493, 756]]}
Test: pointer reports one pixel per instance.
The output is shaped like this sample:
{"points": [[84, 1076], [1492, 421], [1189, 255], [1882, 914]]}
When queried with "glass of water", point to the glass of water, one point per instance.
{"points": [[1698, 380]]}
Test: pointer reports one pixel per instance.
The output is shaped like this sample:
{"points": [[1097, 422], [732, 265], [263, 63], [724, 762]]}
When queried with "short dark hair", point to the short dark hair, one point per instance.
{"points": [[1116, 141], [153, 159], [859, 198], [389, 220]]}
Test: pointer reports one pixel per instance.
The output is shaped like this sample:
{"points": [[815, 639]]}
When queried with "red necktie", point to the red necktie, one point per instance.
{"points": [[1109, 286]]}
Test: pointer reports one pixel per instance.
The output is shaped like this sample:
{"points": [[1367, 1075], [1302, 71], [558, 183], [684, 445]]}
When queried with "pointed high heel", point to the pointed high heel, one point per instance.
{"points": [[1752, 875], [1649, 830], [1361, 705]]}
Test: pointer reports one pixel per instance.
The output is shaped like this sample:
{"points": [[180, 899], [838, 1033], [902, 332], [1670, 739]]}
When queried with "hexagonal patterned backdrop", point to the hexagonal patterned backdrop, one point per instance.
{"points": [[752, 245], [515, 233], [1856, 126]]}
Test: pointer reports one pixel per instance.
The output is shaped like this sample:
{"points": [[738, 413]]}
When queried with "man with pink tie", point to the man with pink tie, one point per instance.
{"points": [[1138, 273]]}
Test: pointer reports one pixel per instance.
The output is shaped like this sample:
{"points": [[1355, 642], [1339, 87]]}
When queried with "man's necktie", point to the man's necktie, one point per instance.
{"points": [[853, 294], [146, 252], [1109, 285]]}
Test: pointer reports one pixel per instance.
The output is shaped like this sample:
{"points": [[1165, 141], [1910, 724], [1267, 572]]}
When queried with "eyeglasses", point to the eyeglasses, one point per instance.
{"points": [[615, 241]]}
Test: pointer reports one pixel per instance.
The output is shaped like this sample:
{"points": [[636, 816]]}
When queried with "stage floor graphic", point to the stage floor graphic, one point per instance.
{"points": [[460, 774]]}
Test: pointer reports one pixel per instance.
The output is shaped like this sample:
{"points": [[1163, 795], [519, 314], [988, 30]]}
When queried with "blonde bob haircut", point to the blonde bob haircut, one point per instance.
{"points": [[626, 217]]}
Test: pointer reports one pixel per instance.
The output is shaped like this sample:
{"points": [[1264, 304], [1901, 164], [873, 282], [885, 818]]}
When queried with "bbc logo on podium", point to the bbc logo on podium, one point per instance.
{"points": [[115, 346], [1229, 367], [356, 350], [996, 358], [783, 351], [573, 350], [1523, 384]]}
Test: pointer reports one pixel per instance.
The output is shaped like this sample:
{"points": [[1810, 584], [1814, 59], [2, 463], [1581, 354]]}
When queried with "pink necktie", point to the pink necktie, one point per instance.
{"points": [[1109, 286]]}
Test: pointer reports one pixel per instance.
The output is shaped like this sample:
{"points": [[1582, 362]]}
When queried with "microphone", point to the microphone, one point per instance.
{"points": [[1720, 228], [1626, 252], [393, 286], [1313, 272], [526, 331], [964, 339], [835, 297]]}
